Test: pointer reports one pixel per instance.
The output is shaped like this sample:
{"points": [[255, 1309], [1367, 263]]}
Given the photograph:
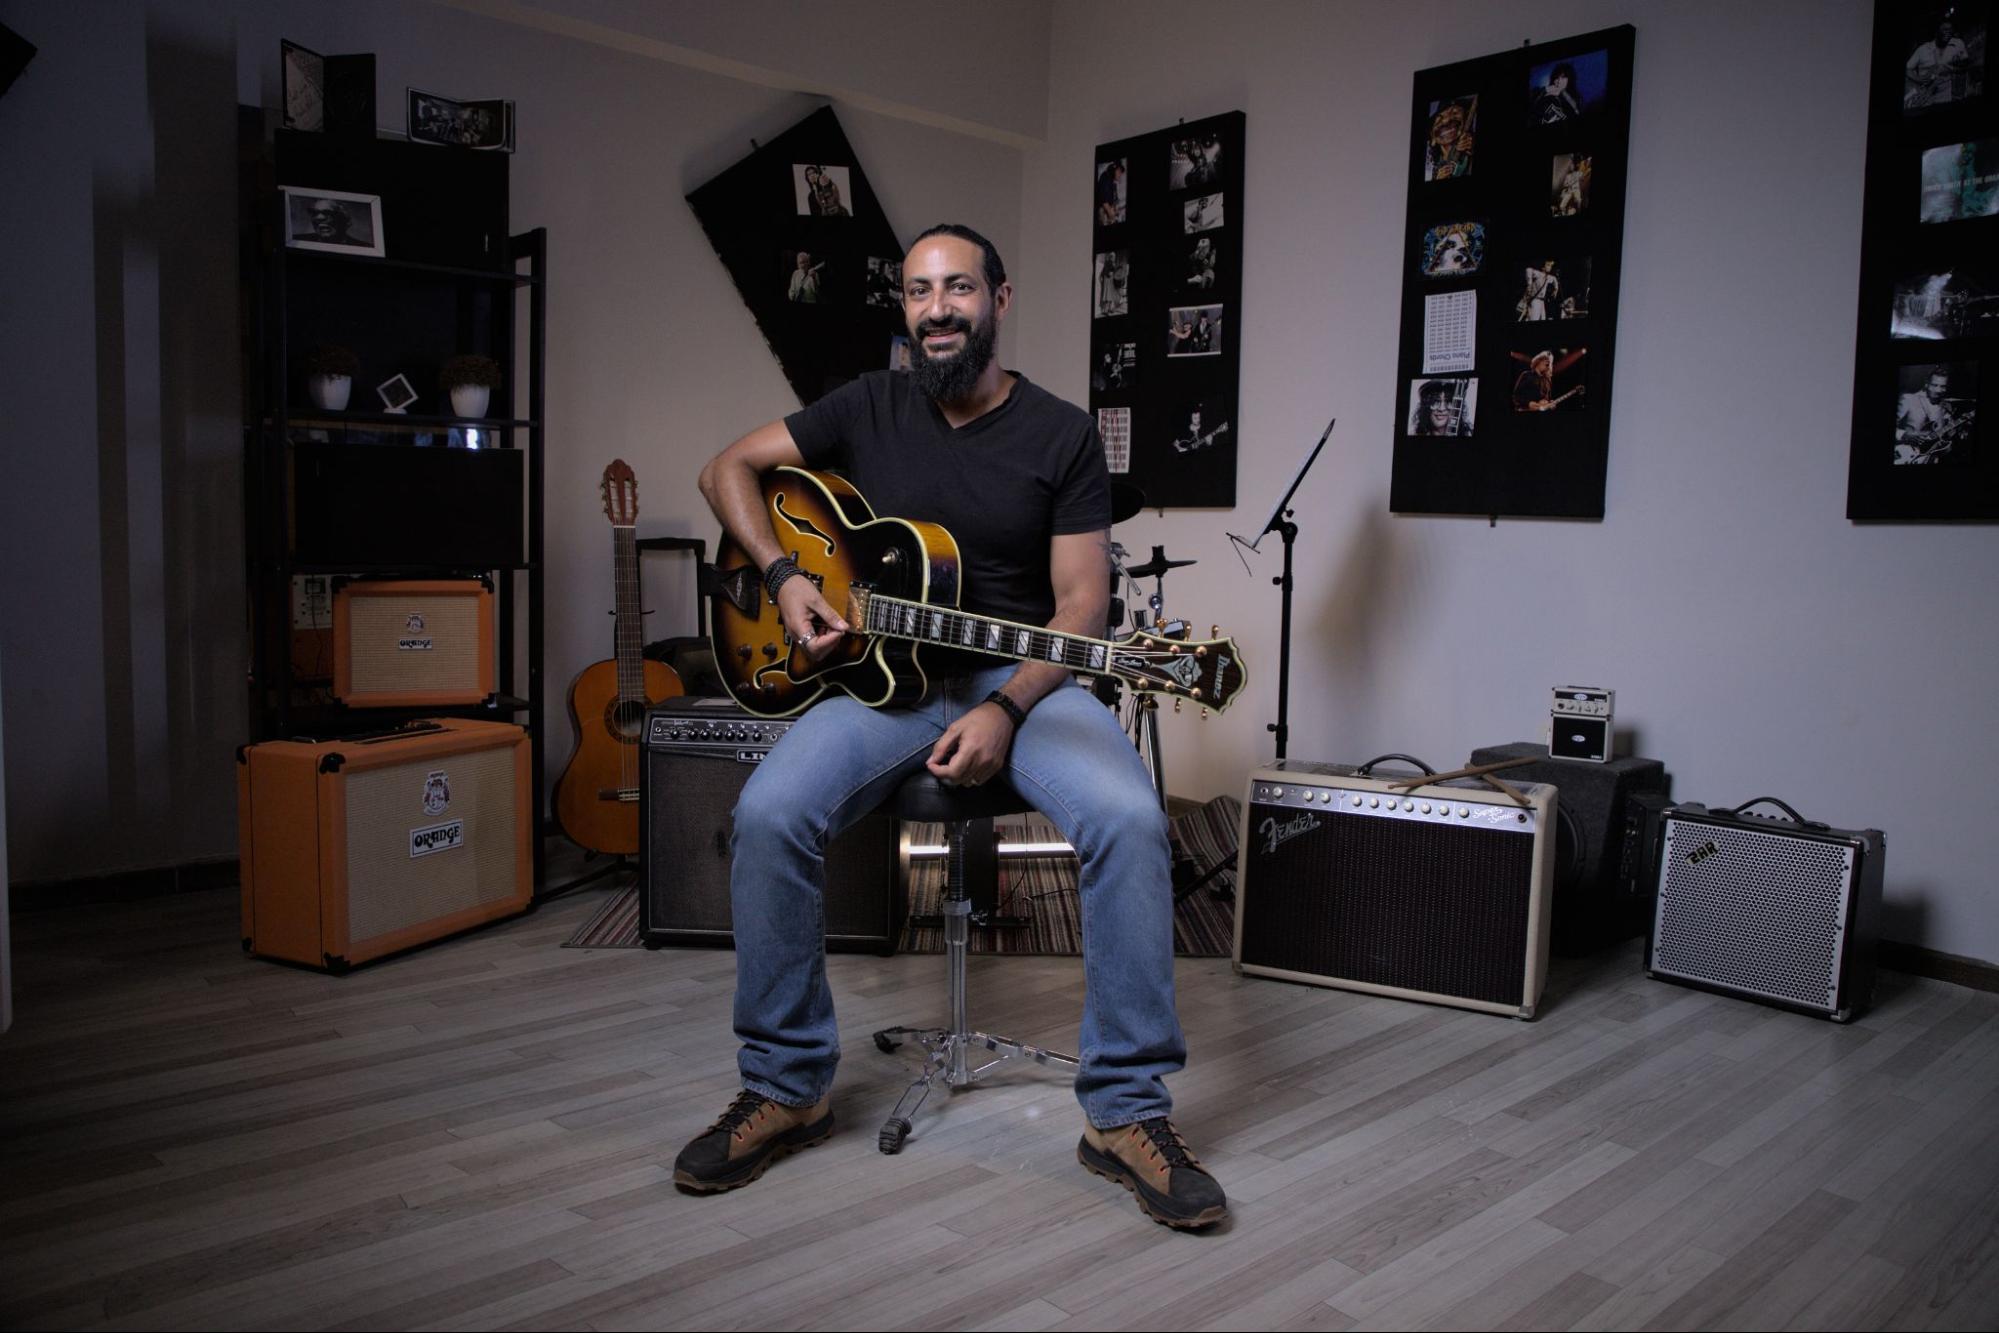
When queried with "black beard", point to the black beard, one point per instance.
{"points": [[950, 379]]}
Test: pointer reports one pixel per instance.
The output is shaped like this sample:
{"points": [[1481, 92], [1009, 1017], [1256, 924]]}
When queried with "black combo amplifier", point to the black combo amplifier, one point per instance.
{"points": [[1437, 892], [1601, 893], [698, 753], [1779, 910]]}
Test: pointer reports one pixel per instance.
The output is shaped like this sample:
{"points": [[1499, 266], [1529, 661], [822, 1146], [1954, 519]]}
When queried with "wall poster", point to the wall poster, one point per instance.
{"points": [[1927, 350], [1513, 246], [1165, 309]]}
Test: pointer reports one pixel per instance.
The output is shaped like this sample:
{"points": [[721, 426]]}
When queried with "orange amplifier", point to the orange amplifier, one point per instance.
{"points": [[413, 644], [361, 847]]}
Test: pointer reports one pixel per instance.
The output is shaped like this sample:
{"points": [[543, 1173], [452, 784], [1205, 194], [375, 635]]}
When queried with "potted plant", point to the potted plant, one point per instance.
{"points": [[469, 381], [329, 376]]}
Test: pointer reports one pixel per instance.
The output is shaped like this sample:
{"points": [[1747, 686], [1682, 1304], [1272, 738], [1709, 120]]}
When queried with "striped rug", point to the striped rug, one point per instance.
{"points": [[1043, 889]]}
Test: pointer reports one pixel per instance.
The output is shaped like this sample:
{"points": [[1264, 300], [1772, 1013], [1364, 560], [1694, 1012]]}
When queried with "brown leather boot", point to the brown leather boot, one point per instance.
{"points": [[1152, 1161], [754, 1132]]}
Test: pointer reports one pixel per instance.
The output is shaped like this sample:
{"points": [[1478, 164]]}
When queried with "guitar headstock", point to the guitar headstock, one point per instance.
{"points": [[1208, 672], [621, 494]]}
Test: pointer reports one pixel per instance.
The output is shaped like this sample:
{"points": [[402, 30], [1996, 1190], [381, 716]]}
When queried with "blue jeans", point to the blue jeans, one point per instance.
{"points": [[1074, 763]]}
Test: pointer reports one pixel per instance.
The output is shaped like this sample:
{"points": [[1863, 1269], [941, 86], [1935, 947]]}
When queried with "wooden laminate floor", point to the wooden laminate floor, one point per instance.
{"points": [[481, 1135]]}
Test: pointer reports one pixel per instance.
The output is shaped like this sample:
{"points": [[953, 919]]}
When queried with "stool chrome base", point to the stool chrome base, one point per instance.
{"points": [[951, 1056]]}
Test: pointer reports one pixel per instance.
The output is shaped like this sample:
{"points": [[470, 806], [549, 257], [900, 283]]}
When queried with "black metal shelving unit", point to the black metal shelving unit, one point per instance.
{"points": [[454, 280]]}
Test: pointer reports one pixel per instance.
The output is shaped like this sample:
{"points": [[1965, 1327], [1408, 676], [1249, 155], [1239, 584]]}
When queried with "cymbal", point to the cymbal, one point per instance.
{"points": [[1127, 499], [1158, 565]]}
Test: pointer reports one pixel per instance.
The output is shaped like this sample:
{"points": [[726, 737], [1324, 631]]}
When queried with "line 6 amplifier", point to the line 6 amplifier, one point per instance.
{"points": [[698, 753], [364, 846], [1438, 893], [1779, 910]]}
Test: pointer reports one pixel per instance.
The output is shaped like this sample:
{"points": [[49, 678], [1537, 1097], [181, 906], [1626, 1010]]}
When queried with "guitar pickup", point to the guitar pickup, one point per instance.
{"points": [[740, 587]]}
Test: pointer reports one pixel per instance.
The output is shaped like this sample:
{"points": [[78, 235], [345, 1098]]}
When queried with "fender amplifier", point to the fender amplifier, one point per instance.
{"points": [[356, 848], [413, 644], [1782, 911], [698, 754], [1436, 893]]}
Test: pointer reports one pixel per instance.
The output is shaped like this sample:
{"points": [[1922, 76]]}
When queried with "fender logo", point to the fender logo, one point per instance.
{"points": [[1276, 835]]}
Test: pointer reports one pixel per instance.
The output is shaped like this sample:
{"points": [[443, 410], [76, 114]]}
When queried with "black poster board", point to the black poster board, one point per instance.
{"points": [[1926, 358], [838, 311], [1165, 309], [1511, 260]]}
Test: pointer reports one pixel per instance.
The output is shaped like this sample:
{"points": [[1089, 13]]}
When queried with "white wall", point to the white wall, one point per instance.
{"points": [[121, 584], [1759, 643]]}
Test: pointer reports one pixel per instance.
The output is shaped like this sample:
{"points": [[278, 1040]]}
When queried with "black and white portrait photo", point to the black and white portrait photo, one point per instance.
{"points": [[1194, 163], [1553, 289], [1945, 56], [1197, 426], [1194, 330], [1202, 213], [823, 192], [333, 220], [448, 123], [884, 283], [1569, 188], [1443, 406], [1110, 192], [1203, 261], [804, 277], [305, 87], [1114, 367], [1936, 407], [1952, 304], [1113, 284]]}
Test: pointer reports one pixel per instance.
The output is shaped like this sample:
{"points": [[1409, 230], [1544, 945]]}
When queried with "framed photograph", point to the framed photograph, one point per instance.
{"points": [[1453, 128], [1568, 191], [1195, 163], [898, 352], [447, 123], [1567, 89], [333, 220], [1553, 289], [804, 276], [1116, 368], [1443, 406], [1114, 429], [1453, 250], [1203, 265], [822, 191], [1111, 192], [1198, 425], [304, 79], [1202, 213], [1928, 325], [1113, 284], [884, 283], [1944, 56], [1551, 379], [396, 393], [1194, 330]]}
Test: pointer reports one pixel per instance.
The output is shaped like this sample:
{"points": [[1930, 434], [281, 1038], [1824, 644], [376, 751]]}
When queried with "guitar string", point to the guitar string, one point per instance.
{"points": [[948, 627]]}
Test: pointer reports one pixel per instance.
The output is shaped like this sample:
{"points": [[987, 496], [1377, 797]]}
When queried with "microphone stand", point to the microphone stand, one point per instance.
{"points": [[1287, 531]]}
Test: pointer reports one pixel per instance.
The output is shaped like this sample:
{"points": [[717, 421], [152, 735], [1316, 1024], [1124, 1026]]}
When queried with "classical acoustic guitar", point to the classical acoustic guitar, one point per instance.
{"points": [[896, 582], [596, 800]]}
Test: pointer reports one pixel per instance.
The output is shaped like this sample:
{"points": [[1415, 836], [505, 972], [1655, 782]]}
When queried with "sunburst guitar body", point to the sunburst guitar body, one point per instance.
{"points": [[596, 800]]}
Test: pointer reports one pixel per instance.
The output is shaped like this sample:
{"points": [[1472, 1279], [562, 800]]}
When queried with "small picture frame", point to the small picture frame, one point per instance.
{"points": [[396, 394], [448, 123], [304, 80], [337, 221]]}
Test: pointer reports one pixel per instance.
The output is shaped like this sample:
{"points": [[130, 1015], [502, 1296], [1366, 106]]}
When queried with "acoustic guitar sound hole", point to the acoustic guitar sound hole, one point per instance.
{"points": [[624, 718]]}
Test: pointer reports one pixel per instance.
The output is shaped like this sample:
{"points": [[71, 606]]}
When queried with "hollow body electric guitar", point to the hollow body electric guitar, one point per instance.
{"points": [[596, 800], [896, 582]]}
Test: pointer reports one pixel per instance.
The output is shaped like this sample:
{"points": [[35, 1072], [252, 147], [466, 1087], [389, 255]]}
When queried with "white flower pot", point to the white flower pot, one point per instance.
{"points": [[329, 392], [470, 400]]}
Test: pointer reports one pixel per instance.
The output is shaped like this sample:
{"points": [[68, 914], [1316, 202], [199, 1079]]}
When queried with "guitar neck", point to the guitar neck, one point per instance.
{"points": [[630, 649], [950, 628]]}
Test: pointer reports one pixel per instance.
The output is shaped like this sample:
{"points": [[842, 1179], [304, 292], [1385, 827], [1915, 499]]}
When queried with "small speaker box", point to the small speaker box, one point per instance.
{"points": [[357, 848], [1782, 911], [1436, 892], [413, 644], [699, 752]]}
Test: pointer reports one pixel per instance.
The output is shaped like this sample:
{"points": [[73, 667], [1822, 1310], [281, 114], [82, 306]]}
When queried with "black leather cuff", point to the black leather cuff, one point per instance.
{"points": [[1014, 711]]}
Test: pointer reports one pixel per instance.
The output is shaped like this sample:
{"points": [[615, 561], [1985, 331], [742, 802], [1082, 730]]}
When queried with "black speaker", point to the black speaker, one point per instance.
{"points": [[399, 505], [1601, 892], [698, 753]]}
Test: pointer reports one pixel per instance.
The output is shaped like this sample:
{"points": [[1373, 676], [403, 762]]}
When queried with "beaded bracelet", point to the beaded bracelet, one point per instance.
{"points": [[1014, 711], [776, 572]]}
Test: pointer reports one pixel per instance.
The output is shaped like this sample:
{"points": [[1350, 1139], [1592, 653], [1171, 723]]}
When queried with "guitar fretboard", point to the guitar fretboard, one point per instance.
{"points": [[630, 617], [958, 629]]}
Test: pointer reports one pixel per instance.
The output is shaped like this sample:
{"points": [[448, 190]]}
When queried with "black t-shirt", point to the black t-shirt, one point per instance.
{"points": [[1002, 485]]}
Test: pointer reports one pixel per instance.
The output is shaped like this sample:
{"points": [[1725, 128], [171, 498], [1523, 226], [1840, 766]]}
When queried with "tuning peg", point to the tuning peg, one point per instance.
{"points": [[1176, 705], [1201, 652], [1197, 691], [1214, 631], [1204, 715]]}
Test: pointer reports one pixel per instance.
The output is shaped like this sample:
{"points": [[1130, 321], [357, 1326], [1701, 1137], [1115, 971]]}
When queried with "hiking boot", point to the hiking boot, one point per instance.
{"points": [[1152, 1161], [754, 1132]]}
